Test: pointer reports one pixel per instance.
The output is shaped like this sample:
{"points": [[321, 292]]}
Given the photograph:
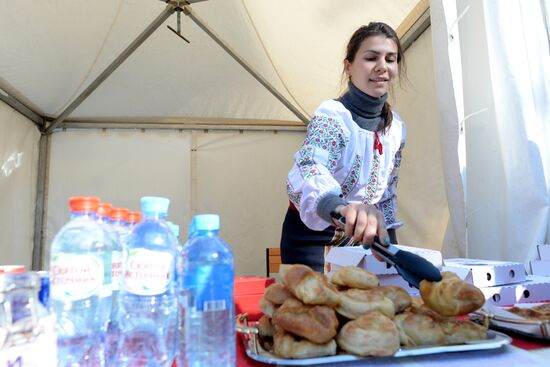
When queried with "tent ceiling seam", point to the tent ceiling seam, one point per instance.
{"points": [[304, 111]]}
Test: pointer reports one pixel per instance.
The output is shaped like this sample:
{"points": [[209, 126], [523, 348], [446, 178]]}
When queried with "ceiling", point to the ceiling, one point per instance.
{"points": [[53, 49]]}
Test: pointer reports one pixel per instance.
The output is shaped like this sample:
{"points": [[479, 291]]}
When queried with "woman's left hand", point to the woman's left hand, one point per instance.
{"points": [[363, 222]]}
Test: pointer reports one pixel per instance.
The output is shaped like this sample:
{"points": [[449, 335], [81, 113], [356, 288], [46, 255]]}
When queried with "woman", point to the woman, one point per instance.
{"points": [[349, 160]]}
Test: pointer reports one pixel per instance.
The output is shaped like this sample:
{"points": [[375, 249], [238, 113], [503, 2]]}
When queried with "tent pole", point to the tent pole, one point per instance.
{"points": [[198, 21], [113, 66], [22, 108], [40, 207]]}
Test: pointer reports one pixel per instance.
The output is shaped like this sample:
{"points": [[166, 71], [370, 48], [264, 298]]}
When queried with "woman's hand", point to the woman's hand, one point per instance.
{"points": [[363, 222]]}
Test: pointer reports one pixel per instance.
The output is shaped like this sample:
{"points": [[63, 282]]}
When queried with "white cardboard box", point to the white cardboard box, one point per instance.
{"points": [[544, 251], [540, 267], [358, 256], [486, 273], [534, 289]]}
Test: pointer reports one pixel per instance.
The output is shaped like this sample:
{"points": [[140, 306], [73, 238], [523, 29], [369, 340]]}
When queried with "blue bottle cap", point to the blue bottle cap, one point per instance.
{"points": [[205, 222], [153, 204]]}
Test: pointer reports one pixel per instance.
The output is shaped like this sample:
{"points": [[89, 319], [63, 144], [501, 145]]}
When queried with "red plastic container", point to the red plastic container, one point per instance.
{"points": [[248, 292]]}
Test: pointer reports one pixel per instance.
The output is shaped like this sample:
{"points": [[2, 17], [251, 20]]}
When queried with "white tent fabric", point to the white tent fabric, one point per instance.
{"points": [[448, 72], [239, 176], [18, 169], [297, 45], [520, 83], [505, 58]]}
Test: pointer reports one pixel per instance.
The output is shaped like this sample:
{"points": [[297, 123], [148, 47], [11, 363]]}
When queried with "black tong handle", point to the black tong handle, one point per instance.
{"points": [[411, 267]]}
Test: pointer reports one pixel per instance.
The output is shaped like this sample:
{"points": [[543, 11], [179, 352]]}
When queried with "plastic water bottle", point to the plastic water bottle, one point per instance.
{"points": [[117, 219], [207, 329], [80, 285], [119, 225], [27, 329], [133, 218], [147, 315]]}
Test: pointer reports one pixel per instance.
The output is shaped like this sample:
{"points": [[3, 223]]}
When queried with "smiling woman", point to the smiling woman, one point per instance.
{"points": [[349, 160]]}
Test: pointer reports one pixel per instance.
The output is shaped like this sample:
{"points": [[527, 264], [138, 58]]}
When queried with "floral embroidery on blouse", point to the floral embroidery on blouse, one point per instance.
{"points": [[353, 176], [326, 134], [387, 208], [293, 196], [372, 183]]}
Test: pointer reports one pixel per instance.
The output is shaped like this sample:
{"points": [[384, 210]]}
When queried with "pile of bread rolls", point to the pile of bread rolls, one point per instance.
{"points": [[308, 315]]}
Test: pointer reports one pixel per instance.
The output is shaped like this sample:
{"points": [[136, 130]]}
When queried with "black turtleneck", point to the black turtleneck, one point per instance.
{"points": [[365, 110]]}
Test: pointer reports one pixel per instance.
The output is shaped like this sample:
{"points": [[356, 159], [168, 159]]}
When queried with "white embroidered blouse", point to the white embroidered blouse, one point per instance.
{"points": [[340, 157]]}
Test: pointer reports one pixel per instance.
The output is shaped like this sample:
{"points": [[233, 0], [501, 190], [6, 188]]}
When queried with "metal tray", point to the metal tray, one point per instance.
{"points": [[255, 350], [505, 321]]}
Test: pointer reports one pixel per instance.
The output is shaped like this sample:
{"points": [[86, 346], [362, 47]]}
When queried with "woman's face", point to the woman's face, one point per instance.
{"points": [[375, 65]]}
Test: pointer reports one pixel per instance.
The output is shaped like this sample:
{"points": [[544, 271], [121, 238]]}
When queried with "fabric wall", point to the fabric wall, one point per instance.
{"points": [[422, 203], [507, 82], [119, 166], [448, 75], [240, 176], [19, 139]]}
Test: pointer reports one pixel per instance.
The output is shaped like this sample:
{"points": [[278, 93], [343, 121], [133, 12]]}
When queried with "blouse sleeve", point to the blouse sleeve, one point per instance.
{"points": [[311, 176], [388, 203]]}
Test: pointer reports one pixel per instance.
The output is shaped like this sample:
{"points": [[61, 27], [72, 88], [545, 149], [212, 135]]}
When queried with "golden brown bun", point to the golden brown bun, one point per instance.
{"points": [[461, 331], [541, 312], [354, 277], [315, 323], [419, 330], [356, 302], [265, 327], [287, 345], [277, 293], [399, 296], [451, 296], [372, 334], [309, 286], [267, 307]]}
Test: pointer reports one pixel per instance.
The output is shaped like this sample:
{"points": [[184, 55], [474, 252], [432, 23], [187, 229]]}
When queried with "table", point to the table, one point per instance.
{"points": [[508, 356]]}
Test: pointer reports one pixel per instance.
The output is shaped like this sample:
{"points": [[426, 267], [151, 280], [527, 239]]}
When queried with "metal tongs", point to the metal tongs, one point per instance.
{"points": [[411, 267]]}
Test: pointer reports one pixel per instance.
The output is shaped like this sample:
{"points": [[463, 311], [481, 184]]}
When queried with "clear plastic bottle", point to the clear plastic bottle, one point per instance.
{"points": [[133, 218], [80, 285], [147, 314], [117, 219], [27, 330], [206, 297], [121, 228]]}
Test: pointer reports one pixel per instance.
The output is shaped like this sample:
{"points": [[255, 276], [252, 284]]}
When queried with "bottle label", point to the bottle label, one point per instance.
{"points": [[116, 269], [210, 285], [147, 272], [75, 277]]}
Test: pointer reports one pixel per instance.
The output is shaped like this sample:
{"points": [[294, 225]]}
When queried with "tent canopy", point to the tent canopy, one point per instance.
{"points": [[53, 50]]}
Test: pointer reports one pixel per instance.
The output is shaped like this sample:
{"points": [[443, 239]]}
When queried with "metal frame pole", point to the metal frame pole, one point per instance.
{"points": [[22, 108], [41, 202], [198, 21], [113, 66]]}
